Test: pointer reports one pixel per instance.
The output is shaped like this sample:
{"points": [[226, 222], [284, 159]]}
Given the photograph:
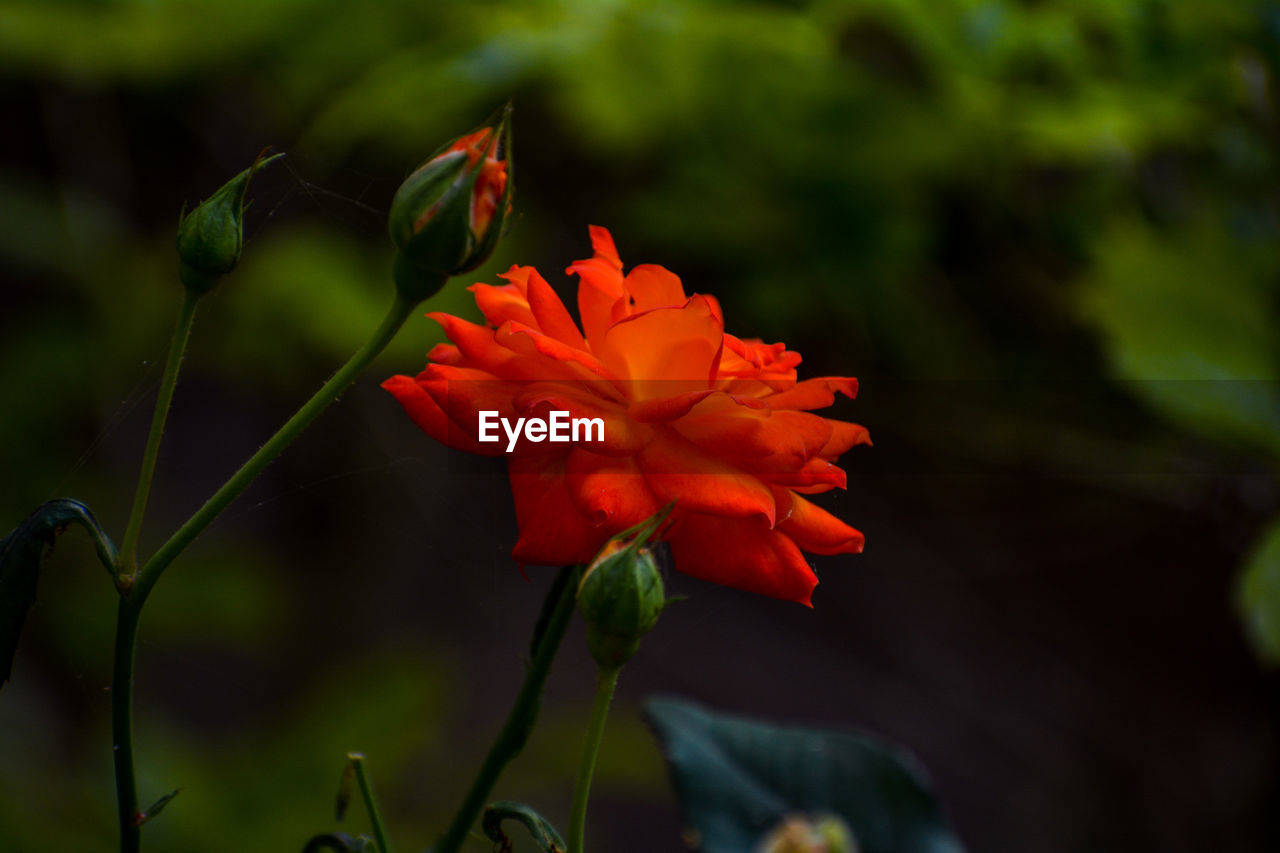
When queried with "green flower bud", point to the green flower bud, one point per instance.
{"points": [[211, 236], [620, 596], [447, 216]]}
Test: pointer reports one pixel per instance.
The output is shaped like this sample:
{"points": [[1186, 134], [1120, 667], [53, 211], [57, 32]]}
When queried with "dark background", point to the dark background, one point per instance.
{"points": [[1042, 234]]}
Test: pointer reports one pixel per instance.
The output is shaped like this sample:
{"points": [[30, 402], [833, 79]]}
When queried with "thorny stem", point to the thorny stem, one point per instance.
{"points": [[127, 613], [524, 713], [134, 595]]}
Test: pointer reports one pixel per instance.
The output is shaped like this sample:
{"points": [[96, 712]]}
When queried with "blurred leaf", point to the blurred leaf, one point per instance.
{"points": [[1258, 596], [20, 555], [1193, 322], [737, 779]]}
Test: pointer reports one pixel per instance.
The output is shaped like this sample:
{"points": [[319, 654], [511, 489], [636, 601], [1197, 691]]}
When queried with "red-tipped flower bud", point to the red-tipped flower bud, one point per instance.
{"points": [[211, 236], [824, 833], [447, 216]]}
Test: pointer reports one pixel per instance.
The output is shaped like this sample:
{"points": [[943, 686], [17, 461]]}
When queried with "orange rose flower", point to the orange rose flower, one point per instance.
{"points": [[717, 424]]}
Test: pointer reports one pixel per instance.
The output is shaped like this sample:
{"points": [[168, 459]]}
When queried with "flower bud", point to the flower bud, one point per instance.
{"points": [[447, 216], [824, 833], [211, 236], [621, 597]]}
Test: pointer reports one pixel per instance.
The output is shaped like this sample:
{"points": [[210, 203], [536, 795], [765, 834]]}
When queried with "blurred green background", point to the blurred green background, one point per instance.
{"points": [[1043, 234]]}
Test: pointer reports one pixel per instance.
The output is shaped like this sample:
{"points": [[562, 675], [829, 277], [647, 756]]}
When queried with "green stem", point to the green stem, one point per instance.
{"points": [[127, 613], [370, 806], [241, 479], [132, 597], [524, 713], [606, 681], [128, 562]]}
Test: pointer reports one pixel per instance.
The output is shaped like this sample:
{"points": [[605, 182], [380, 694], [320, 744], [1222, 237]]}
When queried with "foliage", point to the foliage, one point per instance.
{"points": [[970, 189], [739, 778]]}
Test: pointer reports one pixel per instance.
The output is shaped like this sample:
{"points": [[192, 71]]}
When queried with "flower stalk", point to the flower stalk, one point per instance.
{"points": [[606, 682], [127, 612], [128, 561], [557, 611], [370, 804]]}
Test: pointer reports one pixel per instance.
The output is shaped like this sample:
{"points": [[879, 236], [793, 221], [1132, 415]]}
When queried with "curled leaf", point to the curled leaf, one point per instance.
{"points": [[20, 555], [539, 828]]}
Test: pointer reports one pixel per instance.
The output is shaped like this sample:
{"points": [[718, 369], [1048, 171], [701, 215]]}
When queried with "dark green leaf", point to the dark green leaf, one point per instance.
{"points": [[20, 555], [738, 779], [540, 829]]}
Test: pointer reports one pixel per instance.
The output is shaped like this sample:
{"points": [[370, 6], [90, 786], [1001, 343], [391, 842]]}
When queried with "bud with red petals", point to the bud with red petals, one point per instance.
{"points": [[447, 216]]}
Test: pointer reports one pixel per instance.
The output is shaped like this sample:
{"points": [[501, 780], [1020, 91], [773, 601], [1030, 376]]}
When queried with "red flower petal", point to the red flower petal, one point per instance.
{"points": [[552, 317], [610, 491], [844, 435], [600, 286], [462, 394], [652, 286], [742, 432], [500, 304], [666, 401], [677, 470], [549, 358], [816, 475], [741, 553], [813, 528], [814, 393], [602, 245], [444, 354], [665, 344], [476, 343], [552, 530], [427, 414]]}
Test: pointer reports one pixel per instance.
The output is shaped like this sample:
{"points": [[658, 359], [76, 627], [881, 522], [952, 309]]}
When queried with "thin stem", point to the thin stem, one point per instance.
{"points": [[132, 597], [370, 806], [524, 713], [606, 681], [127, 613], [128, 561], [241, 479]]}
